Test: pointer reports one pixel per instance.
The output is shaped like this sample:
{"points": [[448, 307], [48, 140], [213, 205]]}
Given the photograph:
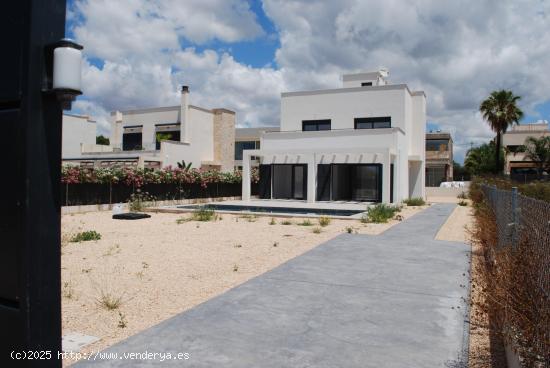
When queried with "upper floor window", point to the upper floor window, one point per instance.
{"points": [[366, 84], [437, 145], [373, 123], [312, 125], [132, 138]]}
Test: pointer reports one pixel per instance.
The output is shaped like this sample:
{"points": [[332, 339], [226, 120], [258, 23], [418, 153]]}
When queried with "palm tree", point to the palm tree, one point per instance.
{"points": [[500, 110], [538, 151]]}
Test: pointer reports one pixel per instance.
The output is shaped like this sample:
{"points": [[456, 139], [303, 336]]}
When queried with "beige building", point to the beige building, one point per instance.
{"points": [[516, 163], [164, 136], [439, 158]]}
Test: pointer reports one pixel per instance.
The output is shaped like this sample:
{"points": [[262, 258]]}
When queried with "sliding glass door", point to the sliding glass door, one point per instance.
{"points": [[350, 182], [289, 181]]}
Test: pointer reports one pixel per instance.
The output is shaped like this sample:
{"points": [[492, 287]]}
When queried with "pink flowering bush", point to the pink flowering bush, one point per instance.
{"points": [[139, 177]]}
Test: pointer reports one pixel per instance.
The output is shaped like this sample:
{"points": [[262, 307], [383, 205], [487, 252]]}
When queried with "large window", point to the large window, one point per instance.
{"points": [[244, 145], [131, 141], [437, 145], [373, 123], [313, 125]]}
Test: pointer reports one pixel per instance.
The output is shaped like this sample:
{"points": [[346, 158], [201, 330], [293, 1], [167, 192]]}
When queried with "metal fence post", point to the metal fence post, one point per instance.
{"points": [[515, 217]]}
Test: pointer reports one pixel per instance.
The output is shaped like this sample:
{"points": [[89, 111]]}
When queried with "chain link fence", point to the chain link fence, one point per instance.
{"points": [[523, 229]]}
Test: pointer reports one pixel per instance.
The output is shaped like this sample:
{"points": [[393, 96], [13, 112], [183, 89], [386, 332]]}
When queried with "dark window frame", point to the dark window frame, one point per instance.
{"points": [[379, 122], [316, 124], [366, 84]]}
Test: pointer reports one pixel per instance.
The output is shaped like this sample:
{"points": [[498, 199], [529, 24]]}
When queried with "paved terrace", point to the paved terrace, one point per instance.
{"points": [[393, 300]]}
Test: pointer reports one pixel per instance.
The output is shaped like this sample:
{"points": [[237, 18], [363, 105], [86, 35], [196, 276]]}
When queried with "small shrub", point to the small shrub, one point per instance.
{"points": [[273, 222], [349, 230], [183, 220], [415, 201], [139, 201], [203, 213], [286, 222], [68, 291], [108, 301], [462, 203], [324, 221], [306, 222], [381, 213], [86, 236], [316, 230], [238, 246], [462, 195], [122, 323], [235, 268], [275, 244]]}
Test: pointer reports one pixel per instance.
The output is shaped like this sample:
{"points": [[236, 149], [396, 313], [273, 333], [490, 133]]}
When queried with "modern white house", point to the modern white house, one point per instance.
{"points": [[164, 136], [364, 141]]}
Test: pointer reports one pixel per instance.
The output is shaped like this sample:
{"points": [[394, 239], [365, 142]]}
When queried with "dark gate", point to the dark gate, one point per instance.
{"points": [[265, 182], [30, 270]]}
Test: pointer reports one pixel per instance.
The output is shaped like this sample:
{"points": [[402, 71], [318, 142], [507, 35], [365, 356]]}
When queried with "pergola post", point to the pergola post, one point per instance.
{"points": [[246, 187]]}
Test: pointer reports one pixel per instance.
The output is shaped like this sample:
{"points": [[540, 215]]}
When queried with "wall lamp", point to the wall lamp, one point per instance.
{"points": [[64, 71]]}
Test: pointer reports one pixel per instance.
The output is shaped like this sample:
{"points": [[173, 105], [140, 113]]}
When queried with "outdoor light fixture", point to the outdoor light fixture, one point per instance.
{"points": [[65, 71]]}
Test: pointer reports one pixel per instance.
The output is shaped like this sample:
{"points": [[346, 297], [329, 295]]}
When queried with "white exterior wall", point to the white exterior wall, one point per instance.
{"points": [[200, 143], [148, 120], [342, 106], [77, 131]]}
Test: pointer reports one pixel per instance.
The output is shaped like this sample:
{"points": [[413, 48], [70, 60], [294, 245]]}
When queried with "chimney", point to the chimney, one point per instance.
{"points": [[184, 114]]}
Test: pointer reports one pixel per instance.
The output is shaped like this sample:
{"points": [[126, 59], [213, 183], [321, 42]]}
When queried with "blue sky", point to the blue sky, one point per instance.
{"points": [[242, 54]]}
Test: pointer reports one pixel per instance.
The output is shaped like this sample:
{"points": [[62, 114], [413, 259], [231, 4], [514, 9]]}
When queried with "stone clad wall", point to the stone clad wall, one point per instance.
{"points": [[224, 138]]}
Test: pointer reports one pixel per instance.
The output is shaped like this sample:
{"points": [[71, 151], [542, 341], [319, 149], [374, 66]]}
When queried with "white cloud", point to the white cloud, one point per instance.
{"points": [[456, 51]]}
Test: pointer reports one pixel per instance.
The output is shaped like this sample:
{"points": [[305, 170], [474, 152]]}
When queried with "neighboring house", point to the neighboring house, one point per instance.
{"points": [[164, 136], [439, 158], [78, 131], [517, 164], [362, 142], [249, 138]]}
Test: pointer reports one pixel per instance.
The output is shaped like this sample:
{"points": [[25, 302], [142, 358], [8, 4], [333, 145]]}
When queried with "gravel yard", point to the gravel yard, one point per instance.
{"points": [[142, 272]]}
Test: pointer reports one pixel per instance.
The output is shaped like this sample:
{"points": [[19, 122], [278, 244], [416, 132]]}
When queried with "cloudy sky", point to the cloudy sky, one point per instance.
{"points": [[242, 54]]}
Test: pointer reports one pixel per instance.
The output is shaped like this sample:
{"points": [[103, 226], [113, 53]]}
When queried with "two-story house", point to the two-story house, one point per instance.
{"points": [[517, 164], [362, 142], [164, 136], [439, 158]]}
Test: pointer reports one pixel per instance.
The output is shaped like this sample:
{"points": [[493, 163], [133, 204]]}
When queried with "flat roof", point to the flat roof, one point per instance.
{"points": [[387, 87], [169, 108]]}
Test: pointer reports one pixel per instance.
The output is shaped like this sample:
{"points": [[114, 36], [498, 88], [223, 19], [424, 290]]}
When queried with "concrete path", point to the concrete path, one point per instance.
{"points": [[393, 300]]}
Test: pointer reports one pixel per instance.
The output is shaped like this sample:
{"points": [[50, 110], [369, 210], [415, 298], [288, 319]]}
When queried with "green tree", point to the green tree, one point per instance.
{"points": [[100, 139], [538, 151], [481, 160], [500, 110], [460, 172]]}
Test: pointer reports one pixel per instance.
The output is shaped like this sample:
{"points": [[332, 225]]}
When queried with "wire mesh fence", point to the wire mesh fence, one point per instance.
{"points": [[523, 231]]}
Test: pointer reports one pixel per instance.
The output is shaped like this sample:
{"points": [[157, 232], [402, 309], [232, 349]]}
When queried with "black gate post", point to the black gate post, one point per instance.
{"points": [[31, 122]]}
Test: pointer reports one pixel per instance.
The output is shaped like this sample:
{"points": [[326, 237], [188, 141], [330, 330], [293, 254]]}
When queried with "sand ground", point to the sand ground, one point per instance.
{"points": [[158, 268]]}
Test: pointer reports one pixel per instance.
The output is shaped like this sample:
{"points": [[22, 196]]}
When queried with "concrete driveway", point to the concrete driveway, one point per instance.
{"points": [[394, 300]]}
